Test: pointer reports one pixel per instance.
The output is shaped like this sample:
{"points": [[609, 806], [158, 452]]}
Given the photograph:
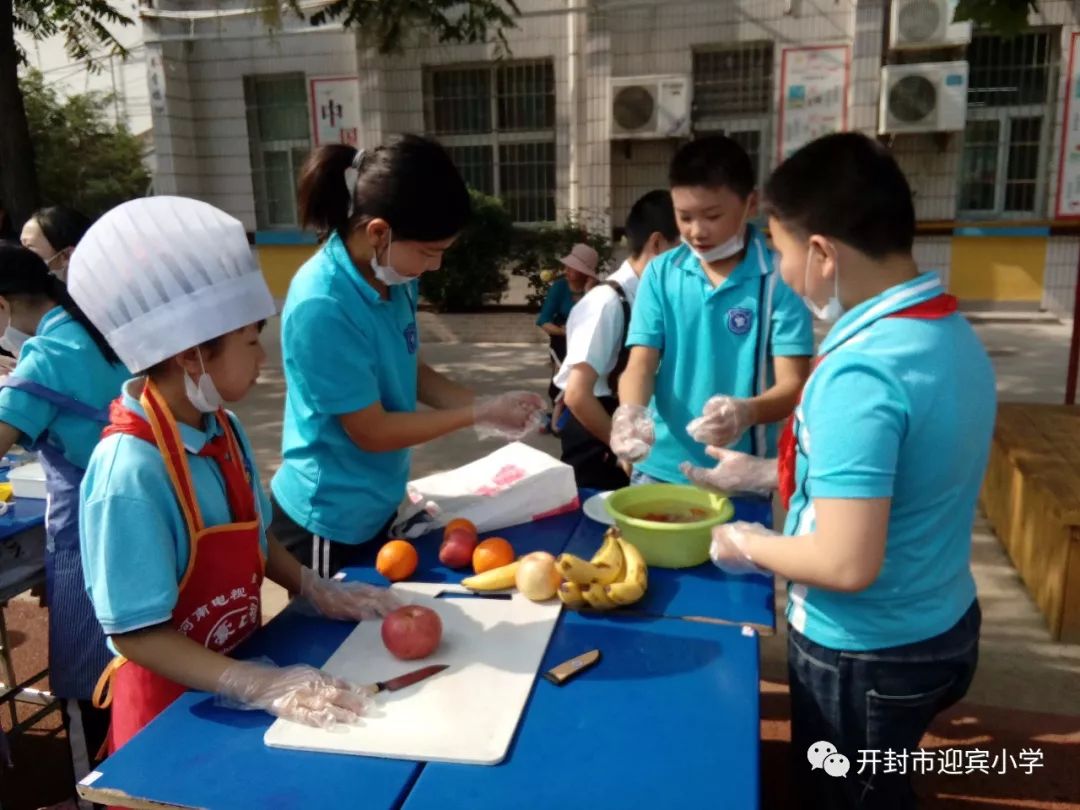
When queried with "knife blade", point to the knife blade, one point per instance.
{"points": [[568, 669], [408, 679]]}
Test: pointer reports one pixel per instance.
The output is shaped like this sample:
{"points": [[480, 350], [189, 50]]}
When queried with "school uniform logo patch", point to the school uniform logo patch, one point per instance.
{"points": [[739, 320], [412, 338]]}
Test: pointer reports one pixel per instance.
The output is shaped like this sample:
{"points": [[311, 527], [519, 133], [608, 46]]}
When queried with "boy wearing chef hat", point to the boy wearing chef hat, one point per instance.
{"points": [[173, 515]]}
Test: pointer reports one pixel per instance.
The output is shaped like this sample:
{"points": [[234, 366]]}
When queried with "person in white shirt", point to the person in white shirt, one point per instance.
{"points": [[596, 351]]}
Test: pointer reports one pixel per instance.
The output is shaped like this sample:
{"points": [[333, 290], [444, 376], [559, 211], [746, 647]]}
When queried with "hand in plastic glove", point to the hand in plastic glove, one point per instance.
{"points": [[633, 433], [510, 416], [300, 693], [351, 601], [723, 420], [729, 541], [734, 472]]}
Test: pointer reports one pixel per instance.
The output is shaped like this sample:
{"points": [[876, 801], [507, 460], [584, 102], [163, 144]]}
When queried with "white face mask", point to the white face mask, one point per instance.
{"points": [[833, 309], [204, 394], [12, 340], [386, 272], [60, 270], [732, 247]]}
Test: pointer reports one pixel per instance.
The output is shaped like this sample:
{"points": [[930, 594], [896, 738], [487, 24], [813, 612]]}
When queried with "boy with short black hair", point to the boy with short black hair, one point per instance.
{"points": [[596, 350], [881, 466], [720, 345]]}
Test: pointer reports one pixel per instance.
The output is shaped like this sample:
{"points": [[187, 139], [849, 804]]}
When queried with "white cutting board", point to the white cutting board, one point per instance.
{"points": [[468, 712]]}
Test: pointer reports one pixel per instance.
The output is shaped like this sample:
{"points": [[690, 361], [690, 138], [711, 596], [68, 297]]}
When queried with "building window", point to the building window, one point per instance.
{"points": [[279, 139], [1011, 85], [498, 123], [733, 94]]}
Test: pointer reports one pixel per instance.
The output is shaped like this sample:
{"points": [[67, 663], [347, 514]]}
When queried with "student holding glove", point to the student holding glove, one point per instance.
{"points": [[881, 467], [173, 517], [720, 345], [351, 348]]}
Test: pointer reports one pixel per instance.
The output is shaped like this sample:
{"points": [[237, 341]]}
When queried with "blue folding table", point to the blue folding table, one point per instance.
{"points": [[672, 706]]}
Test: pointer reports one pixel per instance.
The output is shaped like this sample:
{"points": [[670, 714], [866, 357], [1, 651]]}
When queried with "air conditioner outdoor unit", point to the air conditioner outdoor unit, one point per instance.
{"points": [[929, 97], [650, 107], [926, 24]]}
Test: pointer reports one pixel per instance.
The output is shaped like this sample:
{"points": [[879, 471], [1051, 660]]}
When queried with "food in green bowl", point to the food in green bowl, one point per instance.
{"points": [[671, 524]]}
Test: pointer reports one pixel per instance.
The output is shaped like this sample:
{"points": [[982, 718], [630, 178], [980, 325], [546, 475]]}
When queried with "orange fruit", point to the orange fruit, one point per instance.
{"points": [[397, 560], [494, 552], [459, 523]]}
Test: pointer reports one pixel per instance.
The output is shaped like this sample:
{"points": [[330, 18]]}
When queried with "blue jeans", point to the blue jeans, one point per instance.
{"points": [[873, 700]]}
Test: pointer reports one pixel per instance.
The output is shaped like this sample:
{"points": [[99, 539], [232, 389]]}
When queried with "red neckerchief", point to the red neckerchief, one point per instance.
{"points": [[237, 485], [941, 306]]}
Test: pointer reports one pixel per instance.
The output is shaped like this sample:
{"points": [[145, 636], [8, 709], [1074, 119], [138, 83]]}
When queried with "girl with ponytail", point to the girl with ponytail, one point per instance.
{"points": [[354, 371], [55, 401]]}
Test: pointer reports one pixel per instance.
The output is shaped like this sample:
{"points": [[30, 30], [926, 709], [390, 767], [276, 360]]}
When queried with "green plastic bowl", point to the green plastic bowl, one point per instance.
{"points": [[664, 544]]}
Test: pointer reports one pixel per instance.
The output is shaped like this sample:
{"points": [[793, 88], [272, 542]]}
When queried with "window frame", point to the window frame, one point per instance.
{"points": [[495, 138], [741, 123], [258, 148], [1004, 115]]}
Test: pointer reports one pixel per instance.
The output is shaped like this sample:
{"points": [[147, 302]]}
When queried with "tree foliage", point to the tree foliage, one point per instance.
{"points": [[1006, 17], [83, 159], [385, 24]]}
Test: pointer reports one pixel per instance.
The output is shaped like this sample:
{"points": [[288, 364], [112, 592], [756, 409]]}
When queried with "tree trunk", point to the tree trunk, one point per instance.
{"points": [[18, 177]]}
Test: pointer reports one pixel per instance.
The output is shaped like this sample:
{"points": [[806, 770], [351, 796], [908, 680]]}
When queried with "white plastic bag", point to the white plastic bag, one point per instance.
{"points": [[515, 484]]}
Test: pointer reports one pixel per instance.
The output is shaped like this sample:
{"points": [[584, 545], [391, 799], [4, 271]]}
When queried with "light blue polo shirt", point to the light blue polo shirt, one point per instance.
{"points": [[134, 541], [898, 408], [344, 349], [712, 342], [62, 356]]}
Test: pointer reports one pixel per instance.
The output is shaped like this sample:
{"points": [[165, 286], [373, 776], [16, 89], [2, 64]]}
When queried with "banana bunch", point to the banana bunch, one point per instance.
{"points": [[615, 576]]}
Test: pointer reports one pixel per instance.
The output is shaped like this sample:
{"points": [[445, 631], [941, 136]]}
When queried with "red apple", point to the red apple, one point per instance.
{"points": [[412, 632], [457, 548]]}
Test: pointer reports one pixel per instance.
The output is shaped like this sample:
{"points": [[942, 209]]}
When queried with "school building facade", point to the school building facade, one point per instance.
{"points": [[583, 113]]}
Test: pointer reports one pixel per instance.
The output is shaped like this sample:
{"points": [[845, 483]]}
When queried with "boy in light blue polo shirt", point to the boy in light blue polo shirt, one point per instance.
{"points": [[721, 345], [881, 467]]}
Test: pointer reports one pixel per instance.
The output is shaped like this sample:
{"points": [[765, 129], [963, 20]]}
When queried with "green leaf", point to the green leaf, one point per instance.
{"points": [[83, 159], [1005, 17], [386, 24]]}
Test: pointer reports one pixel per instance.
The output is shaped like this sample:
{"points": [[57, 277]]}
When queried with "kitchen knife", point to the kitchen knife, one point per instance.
{"points": [[567, 670], [408, 679]]}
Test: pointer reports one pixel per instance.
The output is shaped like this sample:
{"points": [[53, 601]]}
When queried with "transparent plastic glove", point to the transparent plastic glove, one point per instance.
{"points": [[299, 693], [734, 472], [349, 601], [729, 541], [511, 416], [633, 433], [7, 364], [723, 420]]}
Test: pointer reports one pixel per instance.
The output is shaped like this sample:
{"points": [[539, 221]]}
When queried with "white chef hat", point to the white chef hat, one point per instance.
{"points": [[159, 275]]}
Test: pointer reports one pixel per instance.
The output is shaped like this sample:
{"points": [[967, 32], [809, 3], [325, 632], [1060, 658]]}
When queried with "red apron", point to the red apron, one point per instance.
{"points": [[940, 306], [219, 600]]}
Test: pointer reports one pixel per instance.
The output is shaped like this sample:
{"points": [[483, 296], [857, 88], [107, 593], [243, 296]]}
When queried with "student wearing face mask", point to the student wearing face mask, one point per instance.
{"points": [[173, 516], [55, 401], [720, 345], [881, 466], [52, 233], [351, 350]]}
